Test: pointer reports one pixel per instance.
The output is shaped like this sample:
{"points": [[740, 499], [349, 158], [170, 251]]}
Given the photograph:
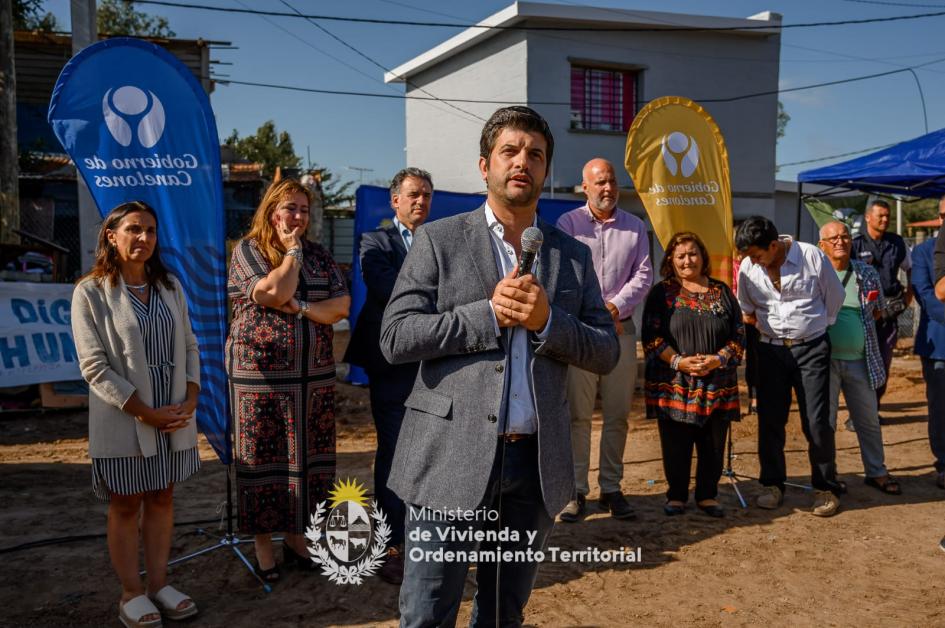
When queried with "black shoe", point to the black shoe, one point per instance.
{"points": [[574, 510], [269, 576], [940, 479], [291, 559], [392, 571], [672, 510], [617, 504], [713, 510]]}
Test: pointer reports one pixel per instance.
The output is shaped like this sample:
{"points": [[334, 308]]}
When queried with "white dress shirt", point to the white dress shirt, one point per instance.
{"points": [[811, 294]]}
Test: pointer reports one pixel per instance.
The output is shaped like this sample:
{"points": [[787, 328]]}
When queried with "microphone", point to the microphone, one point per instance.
{"points": [[532, 239]]}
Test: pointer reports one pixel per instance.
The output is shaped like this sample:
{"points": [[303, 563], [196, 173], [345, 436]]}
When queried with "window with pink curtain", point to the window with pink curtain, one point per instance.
{"points": [[602, 100]]}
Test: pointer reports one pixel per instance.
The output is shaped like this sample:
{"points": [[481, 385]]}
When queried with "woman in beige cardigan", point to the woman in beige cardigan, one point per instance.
{"points": [[139, 355]]}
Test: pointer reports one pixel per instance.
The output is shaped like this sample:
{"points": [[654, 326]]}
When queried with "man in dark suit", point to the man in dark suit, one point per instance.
{"points": [[484, 456], [382, 254], [930, 344]]}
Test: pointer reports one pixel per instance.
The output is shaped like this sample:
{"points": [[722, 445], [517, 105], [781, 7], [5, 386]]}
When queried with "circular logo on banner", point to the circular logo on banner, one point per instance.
{"points": [[680, 153], [131, 107], [347, 539]]}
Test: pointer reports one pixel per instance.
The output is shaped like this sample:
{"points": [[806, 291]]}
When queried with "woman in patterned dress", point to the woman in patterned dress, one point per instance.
{"points": [[693, 338], [286, 293], [139, 355]]}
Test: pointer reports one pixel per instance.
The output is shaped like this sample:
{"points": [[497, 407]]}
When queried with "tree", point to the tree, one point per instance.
{"points": [[119, 17], [267, 147], [336, 193], [783, 119], [28, 16]]}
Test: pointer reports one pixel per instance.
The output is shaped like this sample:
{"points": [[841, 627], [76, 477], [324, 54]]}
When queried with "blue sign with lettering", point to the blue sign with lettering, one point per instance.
{"points": [[36, 333], [138, 126]]}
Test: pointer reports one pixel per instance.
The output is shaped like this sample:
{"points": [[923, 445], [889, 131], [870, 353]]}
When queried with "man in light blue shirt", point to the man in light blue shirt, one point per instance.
{"points": [[485, 444]]}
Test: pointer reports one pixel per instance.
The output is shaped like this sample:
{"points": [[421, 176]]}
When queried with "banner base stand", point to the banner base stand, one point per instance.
{"points": [[734, 477], [228, 540]]}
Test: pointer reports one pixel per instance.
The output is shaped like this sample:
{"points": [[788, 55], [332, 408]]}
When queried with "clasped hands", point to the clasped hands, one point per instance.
{"points": [[520, 301], [170, 418], [699, 365]]}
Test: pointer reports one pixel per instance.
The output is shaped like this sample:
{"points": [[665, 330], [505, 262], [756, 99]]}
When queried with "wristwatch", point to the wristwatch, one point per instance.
{"points": [[303, 308]]}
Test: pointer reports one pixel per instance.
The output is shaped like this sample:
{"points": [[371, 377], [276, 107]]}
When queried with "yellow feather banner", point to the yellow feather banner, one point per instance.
{"points": [[677, 159]]}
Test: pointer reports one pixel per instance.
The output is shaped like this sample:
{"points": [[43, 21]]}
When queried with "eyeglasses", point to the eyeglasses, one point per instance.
{"points": [[837, 239]]}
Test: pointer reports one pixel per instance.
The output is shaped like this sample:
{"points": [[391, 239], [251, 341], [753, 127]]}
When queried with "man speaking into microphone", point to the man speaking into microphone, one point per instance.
{"points": [[483, 460]]}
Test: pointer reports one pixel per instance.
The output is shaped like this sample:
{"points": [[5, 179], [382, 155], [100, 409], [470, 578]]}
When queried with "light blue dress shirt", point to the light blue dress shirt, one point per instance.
{"points": [[405, 233], [518, 398]]}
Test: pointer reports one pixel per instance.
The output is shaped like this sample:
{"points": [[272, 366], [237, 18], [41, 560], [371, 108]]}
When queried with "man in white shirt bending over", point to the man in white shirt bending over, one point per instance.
{"points": [[790, 292]]}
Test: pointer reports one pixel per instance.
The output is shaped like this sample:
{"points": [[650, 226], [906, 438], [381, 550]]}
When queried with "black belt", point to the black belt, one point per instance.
{"points": [[789, 342]]}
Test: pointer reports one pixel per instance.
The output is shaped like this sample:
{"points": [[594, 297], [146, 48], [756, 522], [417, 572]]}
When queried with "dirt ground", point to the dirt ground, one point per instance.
{"points": [[877, 563]]}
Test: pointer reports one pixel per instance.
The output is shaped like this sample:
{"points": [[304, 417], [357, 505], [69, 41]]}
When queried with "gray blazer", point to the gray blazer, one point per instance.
{"points": [[112, 360], [439, 314]]}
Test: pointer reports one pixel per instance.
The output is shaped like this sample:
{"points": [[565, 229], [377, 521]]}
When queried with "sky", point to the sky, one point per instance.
{"points": [[345, 132]]}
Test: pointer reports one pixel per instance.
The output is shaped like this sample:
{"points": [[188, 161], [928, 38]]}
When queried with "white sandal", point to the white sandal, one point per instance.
{"points": [[131, 612], [170, 598]]}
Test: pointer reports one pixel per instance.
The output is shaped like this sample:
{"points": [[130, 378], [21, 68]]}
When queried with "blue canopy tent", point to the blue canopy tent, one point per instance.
{"points": [[914, 168]]}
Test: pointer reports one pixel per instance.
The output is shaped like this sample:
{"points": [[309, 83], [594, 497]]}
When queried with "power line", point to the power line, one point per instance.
{"points": [[853, 152], [378, 64], [333, 57], [896, 4], [826, 84], [563, 103], [616, 29]]}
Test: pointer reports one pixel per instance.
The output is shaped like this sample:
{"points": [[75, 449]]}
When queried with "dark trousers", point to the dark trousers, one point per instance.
{"points": [[389, 390], [677, 440], [805, 369], [887, 332], [751, 360], [433, 589], [933, 371]]}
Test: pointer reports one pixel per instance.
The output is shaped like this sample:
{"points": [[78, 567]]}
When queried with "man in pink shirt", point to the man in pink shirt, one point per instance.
{"points": [[621, 253]]}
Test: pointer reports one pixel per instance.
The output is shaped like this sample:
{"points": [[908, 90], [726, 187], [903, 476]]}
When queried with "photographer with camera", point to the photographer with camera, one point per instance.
{"points": [[888, 254]]}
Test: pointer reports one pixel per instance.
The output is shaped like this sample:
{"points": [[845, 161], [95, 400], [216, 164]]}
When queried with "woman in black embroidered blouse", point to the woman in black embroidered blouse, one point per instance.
{"points": [[693, 338]]}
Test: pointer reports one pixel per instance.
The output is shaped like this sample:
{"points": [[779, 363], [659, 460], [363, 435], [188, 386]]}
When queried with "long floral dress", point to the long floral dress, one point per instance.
{"points": [[282, 387]]}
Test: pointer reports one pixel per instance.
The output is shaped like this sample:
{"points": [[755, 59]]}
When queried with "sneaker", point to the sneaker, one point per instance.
{"points": [[574, 510], [826, 504], [617, 504], [392, 571], [771, 498]]}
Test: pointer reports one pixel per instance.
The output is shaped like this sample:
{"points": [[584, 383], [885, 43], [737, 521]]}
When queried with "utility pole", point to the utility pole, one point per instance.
{"points": [[360, 172], [85, 33], [9, 166]]}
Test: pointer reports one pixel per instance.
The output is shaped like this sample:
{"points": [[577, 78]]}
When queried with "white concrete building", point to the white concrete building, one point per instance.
{"points": [[589, 85]]}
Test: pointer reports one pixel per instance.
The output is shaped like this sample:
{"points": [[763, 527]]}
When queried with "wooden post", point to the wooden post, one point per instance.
{"points": [[84, 33], [9, 154]]}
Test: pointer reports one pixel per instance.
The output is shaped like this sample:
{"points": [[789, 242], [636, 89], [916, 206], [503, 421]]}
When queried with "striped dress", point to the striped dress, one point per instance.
{"points": [[137, 474]]}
